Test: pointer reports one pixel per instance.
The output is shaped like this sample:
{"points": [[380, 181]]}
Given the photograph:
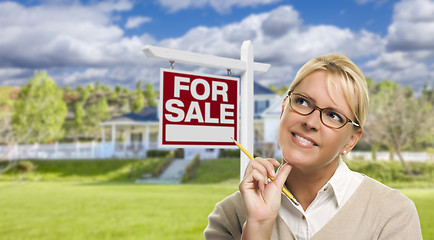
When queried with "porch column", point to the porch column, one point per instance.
{"points": [[147, 137], [113, 134], [103, 135]]}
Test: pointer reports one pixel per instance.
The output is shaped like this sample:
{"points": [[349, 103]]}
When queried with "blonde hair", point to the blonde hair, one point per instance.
{"points": [[349, 77]]}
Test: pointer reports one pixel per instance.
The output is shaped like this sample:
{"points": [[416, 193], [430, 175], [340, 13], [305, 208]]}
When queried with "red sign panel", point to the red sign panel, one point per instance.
{"points": [[197, 110]]}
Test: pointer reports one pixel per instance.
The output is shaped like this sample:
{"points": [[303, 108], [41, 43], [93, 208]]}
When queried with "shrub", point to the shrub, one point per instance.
{"points": [[224, 153], [167, 160], [25, 166], [394, 173], [179, 153], [190, 169], [157, 153]]}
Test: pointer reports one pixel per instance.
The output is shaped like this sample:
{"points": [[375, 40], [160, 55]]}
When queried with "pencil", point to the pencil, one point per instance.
{"points": [[284, 190]]}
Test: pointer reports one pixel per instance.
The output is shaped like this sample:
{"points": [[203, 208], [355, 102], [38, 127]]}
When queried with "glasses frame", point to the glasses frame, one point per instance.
{"points": [[315, 107]]}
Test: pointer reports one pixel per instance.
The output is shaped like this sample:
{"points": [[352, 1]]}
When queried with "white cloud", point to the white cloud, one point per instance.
{"points": [[282, 41], [134, 22], [221, 6], [377, 2], [56, 35], [410, 46], [114, 5], [79, 44], [413, 26]]}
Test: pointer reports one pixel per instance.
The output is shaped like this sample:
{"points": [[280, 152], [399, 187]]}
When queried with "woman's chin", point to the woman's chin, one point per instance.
{"points": [[294, 159]]}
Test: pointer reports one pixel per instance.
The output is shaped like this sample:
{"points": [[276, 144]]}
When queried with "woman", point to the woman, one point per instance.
{"points": [[322, 119]]}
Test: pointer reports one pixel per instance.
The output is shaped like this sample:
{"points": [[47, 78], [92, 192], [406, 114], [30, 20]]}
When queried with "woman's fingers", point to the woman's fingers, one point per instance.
{"points": [[262, 198], [259, 179], [257, 172], [282, 175], [265, 166]]}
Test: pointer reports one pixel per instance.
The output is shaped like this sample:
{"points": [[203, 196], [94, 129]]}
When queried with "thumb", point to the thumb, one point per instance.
{"points": [[282, 175]]}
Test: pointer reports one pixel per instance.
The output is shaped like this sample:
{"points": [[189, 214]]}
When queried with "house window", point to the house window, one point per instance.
{"points": [[260, 106], [136, 137]]}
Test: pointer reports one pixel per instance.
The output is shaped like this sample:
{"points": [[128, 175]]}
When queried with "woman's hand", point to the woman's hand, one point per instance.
{"points": [[262, 198]]}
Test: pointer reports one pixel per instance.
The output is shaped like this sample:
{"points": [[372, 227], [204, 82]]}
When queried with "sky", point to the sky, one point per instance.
{"points": [[82, 42]]}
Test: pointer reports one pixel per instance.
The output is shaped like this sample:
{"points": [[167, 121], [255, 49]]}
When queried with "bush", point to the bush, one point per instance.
{"points": [[104, 170], [179, 153], [157, 153], [393, 173], [166, 162], [224, 153], [25, 166], [190, 169]]}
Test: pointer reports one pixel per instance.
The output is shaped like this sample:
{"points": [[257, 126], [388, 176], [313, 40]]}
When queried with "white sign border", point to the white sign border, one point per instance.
{"points": [[160, 108]]}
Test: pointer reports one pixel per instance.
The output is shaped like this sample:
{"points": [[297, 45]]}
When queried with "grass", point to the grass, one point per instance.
{"points": [[56, 210], [97, 200], [68, 210], [423, 199], [226, 169], [125, 170], [389, 173]]}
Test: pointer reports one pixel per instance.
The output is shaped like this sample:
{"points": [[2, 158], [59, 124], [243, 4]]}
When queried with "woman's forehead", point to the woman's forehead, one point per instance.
{"points": [[325, 89]]}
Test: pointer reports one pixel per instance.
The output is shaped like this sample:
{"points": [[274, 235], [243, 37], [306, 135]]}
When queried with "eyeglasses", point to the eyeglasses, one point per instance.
{"points": [[329, 116]]}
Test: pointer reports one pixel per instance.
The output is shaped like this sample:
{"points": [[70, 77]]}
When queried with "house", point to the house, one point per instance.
{"points": [[133, 134], [270, 120]]}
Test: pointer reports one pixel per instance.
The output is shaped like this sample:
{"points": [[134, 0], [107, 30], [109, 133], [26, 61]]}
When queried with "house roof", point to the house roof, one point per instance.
{"points": [[259, 89], [147, 114], [275, 109]]}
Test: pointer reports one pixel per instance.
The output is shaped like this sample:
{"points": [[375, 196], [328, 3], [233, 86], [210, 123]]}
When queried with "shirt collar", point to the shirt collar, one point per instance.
{"points": [[339, 182]]}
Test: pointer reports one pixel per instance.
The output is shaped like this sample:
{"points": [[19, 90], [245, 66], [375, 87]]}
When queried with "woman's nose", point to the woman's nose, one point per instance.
{"points": [[313, 121]]}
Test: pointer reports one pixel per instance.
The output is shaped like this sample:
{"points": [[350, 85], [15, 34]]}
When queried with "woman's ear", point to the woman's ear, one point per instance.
{"points": [[283, 106], [355, 137]]}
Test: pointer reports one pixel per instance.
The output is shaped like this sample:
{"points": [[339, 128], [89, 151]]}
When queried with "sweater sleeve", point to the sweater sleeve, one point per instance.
{"points": [[401, 220], [227, 219]]}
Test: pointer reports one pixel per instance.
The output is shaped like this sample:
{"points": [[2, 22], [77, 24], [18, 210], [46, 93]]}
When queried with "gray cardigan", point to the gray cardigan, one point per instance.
{"points": [[374, 211]]}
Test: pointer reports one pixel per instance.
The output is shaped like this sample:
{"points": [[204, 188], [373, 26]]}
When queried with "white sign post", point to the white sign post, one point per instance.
{"points": [[245, 65]]}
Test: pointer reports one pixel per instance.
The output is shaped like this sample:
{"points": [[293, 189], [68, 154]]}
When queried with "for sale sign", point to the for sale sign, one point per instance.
{"points": [[197, 110]]}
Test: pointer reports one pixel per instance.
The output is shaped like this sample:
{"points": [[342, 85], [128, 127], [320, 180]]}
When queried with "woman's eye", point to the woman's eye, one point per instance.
{"points": [[301, 101], [335, 116]]}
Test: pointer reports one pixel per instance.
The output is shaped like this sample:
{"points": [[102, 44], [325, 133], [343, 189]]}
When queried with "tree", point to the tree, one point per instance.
{"points": [[39, 111], [137, 98], [396, 118], [79, 114], [282, 90], [95, 113], [150, 94]]}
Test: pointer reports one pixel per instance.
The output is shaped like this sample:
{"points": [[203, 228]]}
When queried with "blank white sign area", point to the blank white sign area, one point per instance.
{"points": [[189, 133]]}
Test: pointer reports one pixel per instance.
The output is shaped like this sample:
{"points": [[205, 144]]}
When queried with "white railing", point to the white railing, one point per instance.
{"points": [[77, 150], [385, 156], [99, 150]]}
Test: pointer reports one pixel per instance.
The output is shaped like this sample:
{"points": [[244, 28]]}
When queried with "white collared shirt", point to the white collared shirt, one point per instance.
{"points": [[329, 199]]}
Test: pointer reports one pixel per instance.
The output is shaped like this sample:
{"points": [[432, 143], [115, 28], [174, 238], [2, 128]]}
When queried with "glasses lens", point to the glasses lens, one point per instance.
{"points": [[301, 104], [305, 106], [333, 118]]}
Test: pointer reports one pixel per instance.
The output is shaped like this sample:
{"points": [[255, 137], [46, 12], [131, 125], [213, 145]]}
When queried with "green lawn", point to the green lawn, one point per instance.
{"points": [[77, 210], [54, 210]]}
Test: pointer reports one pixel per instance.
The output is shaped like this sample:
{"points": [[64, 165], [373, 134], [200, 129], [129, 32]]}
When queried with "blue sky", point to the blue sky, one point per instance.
{"points": [[81, 42]]}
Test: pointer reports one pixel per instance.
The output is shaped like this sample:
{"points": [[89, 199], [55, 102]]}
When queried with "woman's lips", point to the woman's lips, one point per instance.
{"points": [[304, 140]]}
